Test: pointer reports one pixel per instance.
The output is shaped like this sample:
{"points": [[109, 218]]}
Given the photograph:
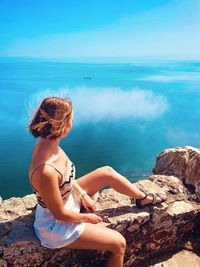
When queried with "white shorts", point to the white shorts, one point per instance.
{"points": [[57, 234]]}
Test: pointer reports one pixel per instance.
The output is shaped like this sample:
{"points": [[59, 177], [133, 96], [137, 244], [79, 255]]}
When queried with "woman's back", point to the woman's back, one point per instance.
{"points": [[57, 162]]}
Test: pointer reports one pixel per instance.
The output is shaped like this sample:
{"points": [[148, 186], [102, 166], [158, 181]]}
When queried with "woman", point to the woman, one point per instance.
{"points": [[58, 221]]}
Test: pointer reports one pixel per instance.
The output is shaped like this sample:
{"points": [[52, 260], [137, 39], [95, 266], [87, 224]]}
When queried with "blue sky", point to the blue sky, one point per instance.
{"points": [[129, 28]]}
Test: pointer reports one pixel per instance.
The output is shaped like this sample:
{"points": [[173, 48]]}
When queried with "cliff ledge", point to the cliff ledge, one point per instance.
{"points": [[149, 231]]}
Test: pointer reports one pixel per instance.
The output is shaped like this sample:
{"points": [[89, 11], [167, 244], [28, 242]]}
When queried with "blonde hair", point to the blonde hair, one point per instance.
{"points": [[51, 117]]}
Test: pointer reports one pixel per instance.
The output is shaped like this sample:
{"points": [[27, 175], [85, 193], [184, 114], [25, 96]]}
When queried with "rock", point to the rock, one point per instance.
{"points": [[30, 201], [14, 208], [149, 231], [181, 162], [182, 258]]}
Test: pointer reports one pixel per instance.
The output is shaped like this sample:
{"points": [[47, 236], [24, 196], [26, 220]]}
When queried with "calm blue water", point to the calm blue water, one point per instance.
{"points": [[124, 114]]}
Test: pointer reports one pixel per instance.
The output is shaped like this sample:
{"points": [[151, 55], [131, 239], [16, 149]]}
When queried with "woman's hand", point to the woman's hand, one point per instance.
{"points": [[92, 218], [88, 203]]}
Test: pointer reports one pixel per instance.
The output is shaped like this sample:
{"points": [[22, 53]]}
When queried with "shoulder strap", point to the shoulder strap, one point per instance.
{"points": [[43, 165]]}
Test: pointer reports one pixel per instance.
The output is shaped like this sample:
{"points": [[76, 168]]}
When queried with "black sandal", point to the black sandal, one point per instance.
{"points": [[138, 202], [153, 202]]}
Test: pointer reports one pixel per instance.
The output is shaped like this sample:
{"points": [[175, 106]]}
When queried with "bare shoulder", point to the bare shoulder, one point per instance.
{"points": [[44, 174]]}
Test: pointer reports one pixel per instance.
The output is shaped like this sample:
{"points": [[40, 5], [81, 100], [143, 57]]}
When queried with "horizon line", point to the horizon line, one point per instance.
{"points": [[105, 59]]}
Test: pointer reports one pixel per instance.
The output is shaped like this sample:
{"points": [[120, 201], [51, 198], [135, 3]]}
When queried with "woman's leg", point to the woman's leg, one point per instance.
{"points": [[104, 176], [98, 237]]}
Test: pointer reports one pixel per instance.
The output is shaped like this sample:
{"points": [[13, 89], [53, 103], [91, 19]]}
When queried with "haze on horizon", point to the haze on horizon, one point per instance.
{"points": [[130, 28]]}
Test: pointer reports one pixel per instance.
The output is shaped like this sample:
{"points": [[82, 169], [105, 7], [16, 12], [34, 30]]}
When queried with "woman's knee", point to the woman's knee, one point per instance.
{"points": [[119, 245], [106, 171]]}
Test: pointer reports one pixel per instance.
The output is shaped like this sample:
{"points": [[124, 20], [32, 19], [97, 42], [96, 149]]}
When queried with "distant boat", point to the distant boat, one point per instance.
{"points": [[87, 78]]}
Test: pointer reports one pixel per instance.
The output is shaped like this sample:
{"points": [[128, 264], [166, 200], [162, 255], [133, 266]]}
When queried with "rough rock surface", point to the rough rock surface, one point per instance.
{"points": [[183, 258], [149, 231], [181, 162]]}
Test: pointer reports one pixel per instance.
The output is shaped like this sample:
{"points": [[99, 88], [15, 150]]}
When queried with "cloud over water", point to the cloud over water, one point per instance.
{"points": [[174, 77], [99, 104]]}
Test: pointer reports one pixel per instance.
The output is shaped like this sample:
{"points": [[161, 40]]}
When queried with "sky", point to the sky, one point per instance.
{"points": [[94, 28]]}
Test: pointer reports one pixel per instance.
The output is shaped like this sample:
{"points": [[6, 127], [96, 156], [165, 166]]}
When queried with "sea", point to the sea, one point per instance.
{"points": [[125, 113]]}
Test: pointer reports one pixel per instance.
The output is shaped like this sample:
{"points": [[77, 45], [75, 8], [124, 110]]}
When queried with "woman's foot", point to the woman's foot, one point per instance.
{"points": [[150, 199]]}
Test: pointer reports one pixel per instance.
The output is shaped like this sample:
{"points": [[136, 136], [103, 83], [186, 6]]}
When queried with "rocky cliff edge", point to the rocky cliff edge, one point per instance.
{"points": [[149, 231]]}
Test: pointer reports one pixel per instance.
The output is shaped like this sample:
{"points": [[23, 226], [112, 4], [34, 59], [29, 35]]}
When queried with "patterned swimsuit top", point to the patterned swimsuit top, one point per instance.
{"points": [[66, 184]]}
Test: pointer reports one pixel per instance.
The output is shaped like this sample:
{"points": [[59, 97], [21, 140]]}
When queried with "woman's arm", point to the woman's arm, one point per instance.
{"points": [[87, 201], [46, 182]]}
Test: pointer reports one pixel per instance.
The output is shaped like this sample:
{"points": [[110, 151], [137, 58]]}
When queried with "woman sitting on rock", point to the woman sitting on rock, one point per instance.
{"points": [[58, 221]]}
